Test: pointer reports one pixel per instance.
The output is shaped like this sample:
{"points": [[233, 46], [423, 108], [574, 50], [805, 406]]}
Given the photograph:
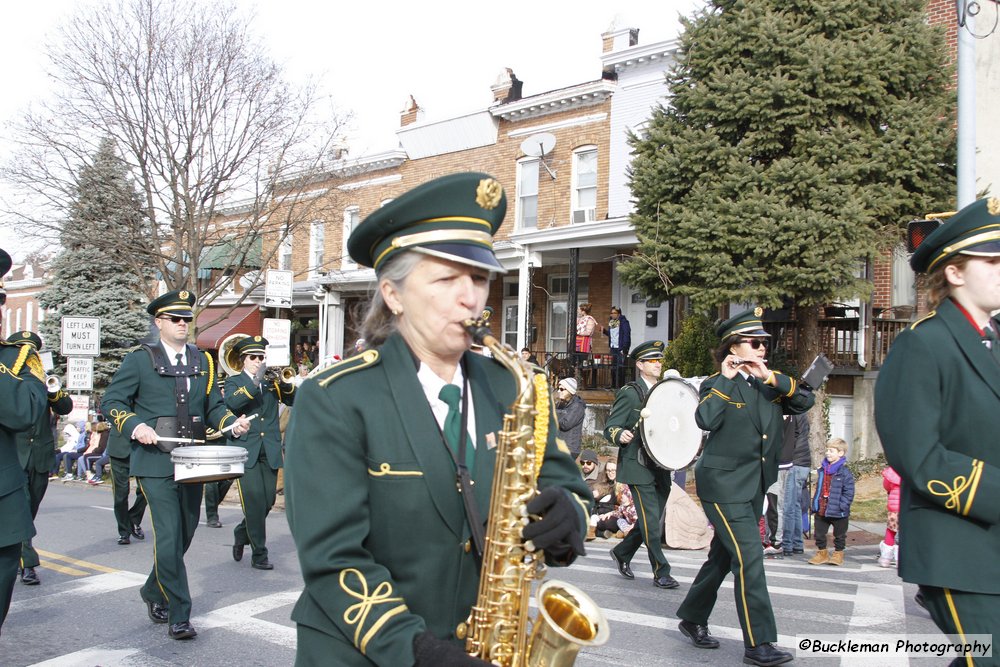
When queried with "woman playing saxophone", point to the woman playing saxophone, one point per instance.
{"points": [[377, 442]]}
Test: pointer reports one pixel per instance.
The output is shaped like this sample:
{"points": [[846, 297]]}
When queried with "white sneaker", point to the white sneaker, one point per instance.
{"points": [[771, 551], [67, 477], [884, 555]]}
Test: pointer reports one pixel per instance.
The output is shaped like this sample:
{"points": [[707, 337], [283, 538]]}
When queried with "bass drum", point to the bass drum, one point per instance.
{"points": [[671, 436]]}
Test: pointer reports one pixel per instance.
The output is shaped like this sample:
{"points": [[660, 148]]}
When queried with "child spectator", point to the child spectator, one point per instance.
{"points": [[832, 503], [888, 549]]}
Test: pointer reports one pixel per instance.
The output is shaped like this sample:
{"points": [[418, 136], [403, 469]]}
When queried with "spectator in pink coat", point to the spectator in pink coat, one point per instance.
{"points": [[888, 549]]}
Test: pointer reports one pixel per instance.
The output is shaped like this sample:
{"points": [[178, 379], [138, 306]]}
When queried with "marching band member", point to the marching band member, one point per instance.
{"points": [[937, 409], [22, 386], [168, 389], [649, 484], [251, 393], [742, 408], [375, 445], [36, 450]]}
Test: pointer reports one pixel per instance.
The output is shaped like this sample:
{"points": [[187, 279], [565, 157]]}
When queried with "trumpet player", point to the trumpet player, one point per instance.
{"points": [[253, 391], [23, 392], [741, 407], [36, 451]]}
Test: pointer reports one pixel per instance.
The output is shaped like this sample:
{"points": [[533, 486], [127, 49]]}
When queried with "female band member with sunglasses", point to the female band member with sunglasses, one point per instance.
{"points": [[742, 408]]}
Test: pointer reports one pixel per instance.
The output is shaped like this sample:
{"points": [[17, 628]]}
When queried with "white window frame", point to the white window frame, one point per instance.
{"points": [[581, 213], [524, 193], [285, 254], [317, 242], [510, 294], [352, 216], [557, 343]]}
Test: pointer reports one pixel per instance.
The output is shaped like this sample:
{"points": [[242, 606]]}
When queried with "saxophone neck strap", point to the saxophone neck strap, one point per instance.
{"points": [[476, 527]]}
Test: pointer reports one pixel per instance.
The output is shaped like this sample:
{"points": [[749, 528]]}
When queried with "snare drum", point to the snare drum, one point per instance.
{"points": [[207, 463]]}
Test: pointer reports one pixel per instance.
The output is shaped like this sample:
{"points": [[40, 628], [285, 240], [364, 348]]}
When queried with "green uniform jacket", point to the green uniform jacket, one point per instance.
{"points": [[740, 459], [624, 417], [36, 447], [372, 502], [22, 402], [245, 398], [138, 394], [937, 409]]}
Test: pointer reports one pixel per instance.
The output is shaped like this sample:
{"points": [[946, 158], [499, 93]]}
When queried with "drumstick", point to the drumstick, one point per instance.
{"points": [[230, 427], [163, 438]]}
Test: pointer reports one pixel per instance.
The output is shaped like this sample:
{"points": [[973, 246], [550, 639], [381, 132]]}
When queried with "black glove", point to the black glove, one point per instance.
{"points": [[429, 651], [557, 532]]}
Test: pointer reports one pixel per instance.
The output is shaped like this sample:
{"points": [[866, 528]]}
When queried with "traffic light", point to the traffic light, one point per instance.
{"points": [[917, 231]]}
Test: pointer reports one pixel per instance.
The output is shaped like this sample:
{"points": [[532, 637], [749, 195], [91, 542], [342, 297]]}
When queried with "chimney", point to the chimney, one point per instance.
{"points": [[411, 112], [619, 39], [507, 88]]}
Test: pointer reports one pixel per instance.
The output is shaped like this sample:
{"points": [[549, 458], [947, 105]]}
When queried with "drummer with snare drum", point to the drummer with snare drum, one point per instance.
{"points": [[649, 484], [165, 394]]}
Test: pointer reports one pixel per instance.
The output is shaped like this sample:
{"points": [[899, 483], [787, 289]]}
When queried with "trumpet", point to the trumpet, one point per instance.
{"points": [[52, 384], [285, 374]]}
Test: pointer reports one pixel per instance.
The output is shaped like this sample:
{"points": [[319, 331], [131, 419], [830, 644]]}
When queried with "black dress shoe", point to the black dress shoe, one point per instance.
{"points": [[623, 568], [263, 565], [213, 523], [157, 611], [137, 532], [766, 655], [124, 539], [698, 634], [238, 552], [29, 577], [182, 630], [665, 582]]}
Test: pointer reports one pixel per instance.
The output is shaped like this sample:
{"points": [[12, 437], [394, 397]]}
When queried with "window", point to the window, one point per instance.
{"points": [[351, 217], [317, 237], [285, 254], [510, 319], [527, 194], [904, 284], [557, 315], [585, 185]]}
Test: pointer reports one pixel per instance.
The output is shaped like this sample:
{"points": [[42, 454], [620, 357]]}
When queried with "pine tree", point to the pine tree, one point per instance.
{"points": [[799, 138], [88, 282]]}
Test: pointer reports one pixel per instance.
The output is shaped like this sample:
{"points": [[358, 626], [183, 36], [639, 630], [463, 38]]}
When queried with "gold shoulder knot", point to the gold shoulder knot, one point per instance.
{"points": [[327, 374]]}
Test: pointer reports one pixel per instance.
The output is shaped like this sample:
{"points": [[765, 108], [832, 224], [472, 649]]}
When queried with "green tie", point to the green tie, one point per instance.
{"points": [[452, 395], [990, 335]]}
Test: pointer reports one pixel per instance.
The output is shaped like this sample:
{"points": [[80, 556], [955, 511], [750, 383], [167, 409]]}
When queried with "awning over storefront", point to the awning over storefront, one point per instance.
{"points": [[243, 319]]}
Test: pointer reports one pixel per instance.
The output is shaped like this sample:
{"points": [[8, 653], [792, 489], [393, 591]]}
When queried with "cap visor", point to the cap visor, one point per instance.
{"points": [[464, 254], [987, 249]]}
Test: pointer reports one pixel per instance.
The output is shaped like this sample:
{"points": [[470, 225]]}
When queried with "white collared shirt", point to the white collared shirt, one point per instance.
{"points": [[432, 385]]}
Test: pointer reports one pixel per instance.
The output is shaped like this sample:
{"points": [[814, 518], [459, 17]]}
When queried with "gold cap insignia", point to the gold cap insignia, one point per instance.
{"points": [[993, 206], [25, 333], [488, 193], [256, 339], [183, 294], [657, 344], [758, 311]]}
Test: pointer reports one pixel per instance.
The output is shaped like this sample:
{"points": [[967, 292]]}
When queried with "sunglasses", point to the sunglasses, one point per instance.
{"points": [[176, 319], [255, 357], [755, 343]]}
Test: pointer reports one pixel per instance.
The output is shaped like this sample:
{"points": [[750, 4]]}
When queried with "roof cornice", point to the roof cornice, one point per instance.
{"points": [[566, 99], [640, 56]]}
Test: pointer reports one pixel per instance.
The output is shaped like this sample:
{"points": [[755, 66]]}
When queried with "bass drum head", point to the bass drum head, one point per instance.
{"points": [[670, 433]]}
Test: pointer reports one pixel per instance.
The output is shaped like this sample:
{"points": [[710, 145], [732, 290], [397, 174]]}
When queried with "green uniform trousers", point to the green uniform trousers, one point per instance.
{"points": [[258, 488], [961, 613], [8, 575], [37, 484], [174, 510], [735, 548], [214, 493], [650, 501], [125, 516]]}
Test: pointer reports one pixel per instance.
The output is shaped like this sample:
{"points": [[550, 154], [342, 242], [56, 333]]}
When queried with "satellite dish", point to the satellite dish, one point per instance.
{"points": [[538, 145]]}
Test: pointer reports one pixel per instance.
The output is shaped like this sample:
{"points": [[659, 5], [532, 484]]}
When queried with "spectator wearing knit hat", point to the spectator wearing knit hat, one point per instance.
{"points": [[570, 409]]}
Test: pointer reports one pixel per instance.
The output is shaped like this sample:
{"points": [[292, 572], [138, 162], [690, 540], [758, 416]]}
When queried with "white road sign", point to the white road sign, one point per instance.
{"points": [[279, 335], [81, 336], [278, 289], [80, 373]]}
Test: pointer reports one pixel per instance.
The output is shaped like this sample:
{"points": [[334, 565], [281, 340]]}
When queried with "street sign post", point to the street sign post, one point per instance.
{"points": [[80, 373], [278, 289], [279, 336]]}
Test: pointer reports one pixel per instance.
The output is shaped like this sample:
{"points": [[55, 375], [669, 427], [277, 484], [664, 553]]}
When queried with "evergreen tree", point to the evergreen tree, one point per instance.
{"points": [[800, 137], [86, 281]]}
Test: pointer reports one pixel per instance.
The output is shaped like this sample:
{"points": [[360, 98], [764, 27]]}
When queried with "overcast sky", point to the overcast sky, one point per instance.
{"points": [[372, 55]]}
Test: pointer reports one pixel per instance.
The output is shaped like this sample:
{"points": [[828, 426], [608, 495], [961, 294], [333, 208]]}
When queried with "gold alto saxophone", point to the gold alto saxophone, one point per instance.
{"points": [[499, 629]]}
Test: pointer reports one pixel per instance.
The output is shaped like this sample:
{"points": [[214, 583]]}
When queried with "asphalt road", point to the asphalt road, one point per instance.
{"points": [[87, 610]]}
